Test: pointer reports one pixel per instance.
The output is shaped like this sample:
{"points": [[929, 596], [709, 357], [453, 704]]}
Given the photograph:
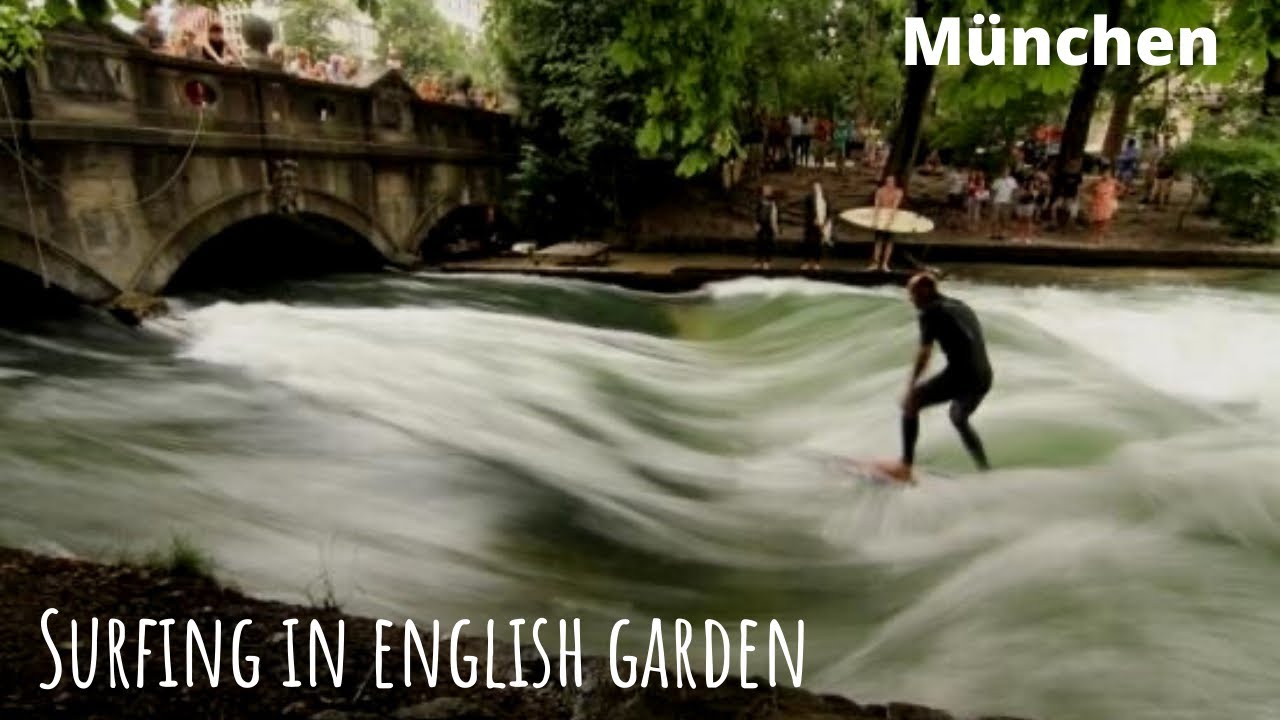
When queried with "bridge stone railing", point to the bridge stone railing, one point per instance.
{"points": [[103, 86]]}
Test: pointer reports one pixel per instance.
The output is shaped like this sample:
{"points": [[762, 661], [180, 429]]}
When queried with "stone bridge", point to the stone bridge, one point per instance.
{"points": [[117, 168]]}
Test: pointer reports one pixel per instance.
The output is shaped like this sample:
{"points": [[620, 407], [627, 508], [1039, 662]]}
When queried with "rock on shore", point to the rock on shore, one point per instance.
{"points": [[30, 584]]}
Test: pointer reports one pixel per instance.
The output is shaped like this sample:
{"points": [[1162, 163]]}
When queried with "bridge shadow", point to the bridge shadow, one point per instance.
{"points": [[264, 251], [26, 303], [468, 231]]}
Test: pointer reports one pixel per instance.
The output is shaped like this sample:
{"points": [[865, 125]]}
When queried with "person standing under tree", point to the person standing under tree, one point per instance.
{"points": [[843, 136], [822, 131], [815, 228], [888, 199], [1104, 194], [795, 128], [1003, 192], [766, 228]]}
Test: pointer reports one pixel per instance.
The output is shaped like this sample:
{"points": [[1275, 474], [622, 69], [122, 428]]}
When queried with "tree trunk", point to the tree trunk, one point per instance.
{"points": [[906, 136], [1122, 99], [915, 101], [1075, 133], [1271, 87]]}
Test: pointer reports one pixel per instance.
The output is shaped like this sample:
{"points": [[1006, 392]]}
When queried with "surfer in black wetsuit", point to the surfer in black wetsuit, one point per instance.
{"points": [[965, 381]]}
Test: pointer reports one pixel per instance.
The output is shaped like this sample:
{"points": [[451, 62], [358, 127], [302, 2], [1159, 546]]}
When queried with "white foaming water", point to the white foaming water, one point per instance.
{"points": [[473, 452]]}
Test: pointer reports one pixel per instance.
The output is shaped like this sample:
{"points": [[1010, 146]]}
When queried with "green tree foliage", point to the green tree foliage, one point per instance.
{"points": [[830, 57], [691, 55], [427, 43], [579, 113], [308, 24], [1241, 171], [707, 65], [20, 38]]}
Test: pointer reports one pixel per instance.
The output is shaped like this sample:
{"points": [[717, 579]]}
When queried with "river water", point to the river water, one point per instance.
{"points": [[468, 447]]}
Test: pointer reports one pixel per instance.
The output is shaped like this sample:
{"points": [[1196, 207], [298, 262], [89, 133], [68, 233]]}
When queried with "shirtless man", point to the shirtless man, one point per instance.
{"points": [[888, 200], [965, 381]]}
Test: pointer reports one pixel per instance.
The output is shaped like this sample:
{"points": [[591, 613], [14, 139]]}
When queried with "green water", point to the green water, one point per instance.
{"points": [[466, 447]]}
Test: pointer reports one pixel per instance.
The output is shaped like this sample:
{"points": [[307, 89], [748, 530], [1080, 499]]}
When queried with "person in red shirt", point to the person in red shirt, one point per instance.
{"points": [[822, 132]]}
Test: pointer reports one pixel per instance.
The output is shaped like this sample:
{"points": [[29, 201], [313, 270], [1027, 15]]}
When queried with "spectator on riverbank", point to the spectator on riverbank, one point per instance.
{"points": [[1026, 211], [795, 133], [933, 164], [957, 179], [1165, 175], [1104, 196], [806, 139], [777, 144], [815, 228], [766, 228], [1147, 164], [149, 32], [888, 199], [1128, 164], [1065, 201], [1002, 199], [822, 132], [841, 138], [978, 195]]}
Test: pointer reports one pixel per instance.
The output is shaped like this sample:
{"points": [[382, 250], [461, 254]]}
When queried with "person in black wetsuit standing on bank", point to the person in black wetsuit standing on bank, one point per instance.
{"points": [[965, 381]]}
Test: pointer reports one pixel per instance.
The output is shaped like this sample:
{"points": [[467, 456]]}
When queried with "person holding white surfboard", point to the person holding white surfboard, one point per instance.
{"points": [[965, 381], [888, 200], [816, 228]]}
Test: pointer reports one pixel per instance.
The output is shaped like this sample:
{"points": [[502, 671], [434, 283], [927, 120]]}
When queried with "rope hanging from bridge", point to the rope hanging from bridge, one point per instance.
{"points": [[26, 191], [25, 167], [15, 151]]}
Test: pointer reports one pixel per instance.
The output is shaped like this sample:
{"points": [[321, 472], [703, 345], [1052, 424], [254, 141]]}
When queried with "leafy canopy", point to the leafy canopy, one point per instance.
{"points": [[20, 38], [427, 43]]}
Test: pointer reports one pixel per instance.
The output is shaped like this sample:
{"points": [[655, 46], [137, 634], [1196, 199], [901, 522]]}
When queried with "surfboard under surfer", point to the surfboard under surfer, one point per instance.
{"points": [[965, 381]]}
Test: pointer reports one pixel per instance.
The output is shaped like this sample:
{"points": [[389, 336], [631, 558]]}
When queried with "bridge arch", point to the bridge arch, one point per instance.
{"points": [[65, 272], [215, 220]]}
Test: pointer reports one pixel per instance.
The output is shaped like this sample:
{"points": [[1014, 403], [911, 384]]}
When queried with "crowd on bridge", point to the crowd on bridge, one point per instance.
{"points": [[196, 32]]}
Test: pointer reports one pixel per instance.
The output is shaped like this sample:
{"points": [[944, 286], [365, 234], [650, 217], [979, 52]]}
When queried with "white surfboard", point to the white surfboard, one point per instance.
{"points": [[900, 222]]}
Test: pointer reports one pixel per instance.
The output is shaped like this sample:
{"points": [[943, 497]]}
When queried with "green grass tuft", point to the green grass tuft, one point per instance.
{"points": [[182, 559]]}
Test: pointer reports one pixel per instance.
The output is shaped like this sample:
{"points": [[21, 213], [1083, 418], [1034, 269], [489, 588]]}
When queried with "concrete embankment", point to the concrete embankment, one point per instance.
{"points": [[707, 260], [1110, 253]]}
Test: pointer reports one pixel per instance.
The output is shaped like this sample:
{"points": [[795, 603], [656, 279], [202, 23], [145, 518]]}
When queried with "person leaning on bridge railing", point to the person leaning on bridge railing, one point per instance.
{"points": [[149, 32], [216, 48], [185, 45]]}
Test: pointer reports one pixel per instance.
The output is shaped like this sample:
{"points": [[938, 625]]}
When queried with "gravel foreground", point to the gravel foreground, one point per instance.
{"points": [[31, 584]]}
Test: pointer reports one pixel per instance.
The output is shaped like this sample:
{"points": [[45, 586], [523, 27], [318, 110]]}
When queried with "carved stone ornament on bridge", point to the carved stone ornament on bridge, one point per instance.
{"points": [[86, 75], [285, 189], [391, 107]]}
